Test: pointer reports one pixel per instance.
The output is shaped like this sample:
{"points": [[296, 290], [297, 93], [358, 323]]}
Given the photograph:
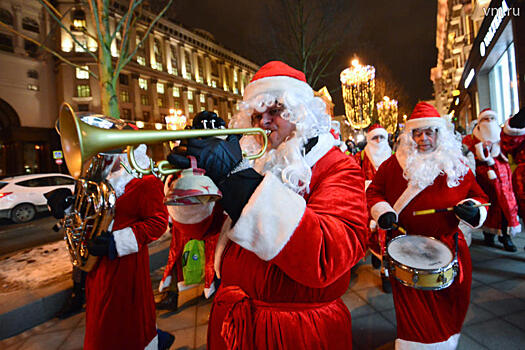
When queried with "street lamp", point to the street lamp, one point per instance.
{"points": [[387, 112], [358, 84]]}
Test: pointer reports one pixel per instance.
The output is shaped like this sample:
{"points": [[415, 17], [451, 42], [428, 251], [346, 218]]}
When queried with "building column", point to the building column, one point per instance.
{"points": [[207, 70], [184, 97], [182, 63], [135, 97], [169, 91], [223, 108], [18, 42], [197, 97], [155, 113]]}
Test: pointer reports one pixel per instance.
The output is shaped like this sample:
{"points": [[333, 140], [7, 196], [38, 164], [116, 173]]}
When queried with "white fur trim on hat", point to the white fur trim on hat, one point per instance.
{"points": [[487, 113], [420, 123], [375, 132], [277, 83], [262, 227], [507, 129]]}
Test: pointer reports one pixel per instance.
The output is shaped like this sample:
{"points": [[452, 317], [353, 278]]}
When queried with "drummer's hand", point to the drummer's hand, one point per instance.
{"points": [[218, 157], [467, 212], [387, 220]]}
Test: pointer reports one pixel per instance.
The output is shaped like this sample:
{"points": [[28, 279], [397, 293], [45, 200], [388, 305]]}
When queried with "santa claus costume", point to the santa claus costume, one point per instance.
{"points": [[415, 180], [120, 309], [494, 176], [285, 255], [513, 142]]}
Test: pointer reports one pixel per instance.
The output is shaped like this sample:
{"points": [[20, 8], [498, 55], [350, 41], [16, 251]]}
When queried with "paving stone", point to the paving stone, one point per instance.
{"points": [[496, 334], [477, 314], [356, 305], [378, 299], [467, 343], [495, 301], [515, 287], [372, 331], [517, 319]]}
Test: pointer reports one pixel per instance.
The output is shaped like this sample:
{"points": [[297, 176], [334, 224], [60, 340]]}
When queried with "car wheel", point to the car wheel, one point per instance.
{"points": [[23, 213]]}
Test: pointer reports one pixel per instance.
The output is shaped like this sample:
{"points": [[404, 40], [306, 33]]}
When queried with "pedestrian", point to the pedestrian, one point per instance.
{"points": [[513, 142], [296, 221], [494, 176], [428, 171], [376, 151]]}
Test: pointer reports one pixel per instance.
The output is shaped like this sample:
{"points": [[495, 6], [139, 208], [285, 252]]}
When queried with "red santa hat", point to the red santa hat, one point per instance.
{"points": [[276, 76], [424, 115], [487, 112], [375, 130]]}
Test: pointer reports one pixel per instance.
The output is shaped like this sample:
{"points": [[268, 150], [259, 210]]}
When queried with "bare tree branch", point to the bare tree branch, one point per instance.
{"points": [[125, 39], [54, 53]]}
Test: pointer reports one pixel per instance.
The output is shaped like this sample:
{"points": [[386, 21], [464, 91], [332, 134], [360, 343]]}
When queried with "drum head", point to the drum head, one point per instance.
{"points": [[419, 252]]}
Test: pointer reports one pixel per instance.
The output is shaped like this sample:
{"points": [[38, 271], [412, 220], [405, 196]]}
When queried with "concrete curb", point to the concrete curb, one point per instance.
{"points": [[42, 305]]}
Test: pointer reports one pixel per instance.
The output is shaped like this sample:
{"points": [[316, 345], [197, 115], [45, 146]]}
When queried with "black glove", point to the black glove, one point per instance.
{"points": [[218, 157], [467, 212], [237, 190], [102, 245], [58, 201], [518, 121], [387, 220], [208, 120]]}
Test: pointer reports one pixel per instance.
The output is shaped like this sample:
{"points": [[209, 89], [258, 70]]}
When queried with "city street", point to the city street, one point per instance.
{"points": [[15, 237]]}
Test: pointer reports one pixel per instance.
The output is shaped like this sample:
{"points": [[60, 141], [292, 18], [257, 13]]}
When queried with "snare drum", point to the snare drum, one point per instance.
{"points": [[421, 262]]}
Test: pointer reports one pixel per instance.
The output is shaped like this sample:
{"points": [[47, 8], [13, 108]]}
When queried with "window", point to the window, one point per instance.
{"points": [[141, 52], [33, 87], [83, 90], [143, 84], [190, 95], [6, 17], [31, 48], [190, 108], [214, 68], [177, 104], [226, 79], [174, 61], [145, 115], [141, 60], [214, 83], [126, 113], [157, 50], [124, 96], [82, 73], [62, 180], [202, 98], [144, 99], [176, 91], [83, 107], [160, 88], [6, 43], [189, 68], [123, 79], [202, 108], [79, 48], [160, 101], [235, 78], [200, 67], [33, 74], [39, 182], [30, 25]]}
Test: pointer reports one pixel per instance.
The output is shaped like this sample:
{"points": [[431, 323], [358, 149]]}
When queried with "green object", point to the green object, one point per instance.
{"points": [[193, 260]]}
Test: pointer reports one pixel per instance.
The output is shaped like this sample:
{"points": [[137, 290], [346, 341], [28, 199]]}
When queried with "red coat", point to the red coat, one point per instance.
{"points": [[368, 168], [513, 142], [120, 309], [287, 261], [427, 316], [495, 180]]}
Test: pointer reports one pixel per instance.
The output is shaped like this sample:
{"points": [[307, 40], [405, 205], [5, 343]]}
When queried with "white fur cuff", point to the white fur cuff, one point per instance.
{"points": [[380, 208], [482, 213], [190, 214], [164, 283], [513, 131], [269, 218], [491, 174], [125, 241], [449, 344]]}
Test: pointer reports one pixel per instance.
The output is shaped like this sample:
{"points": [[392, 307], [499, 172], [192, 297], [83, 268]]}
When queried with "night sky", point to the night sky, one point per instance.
{"points": [[396, 36]]}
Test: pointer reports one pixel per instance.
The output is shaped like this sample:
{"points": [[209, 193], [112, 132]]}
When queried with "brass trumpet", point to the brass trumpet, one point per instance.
{"points": [[81, 142]]}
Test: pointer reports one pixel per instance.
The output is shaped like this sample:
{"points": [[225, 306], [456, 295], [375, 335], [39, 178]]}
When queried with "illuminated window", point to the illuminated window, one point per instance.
{"points": [[203, 98], [144, 99], [160, 101], [190, 108], [214, 83], [33, 87], [82, 73], [235, 75], [143, 84], [141, 60], [174, 61], [200, 67], [190, 95], [157, 50], [202, 108], [83, 90], [80, 48], [160, 88], [177, 105], [189, 68], [176, 91], [124, 96]]}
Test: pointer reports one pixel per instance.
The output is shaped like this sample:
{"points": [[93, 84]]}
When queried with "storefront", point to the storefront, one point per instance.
{"points": [[494, 74]]}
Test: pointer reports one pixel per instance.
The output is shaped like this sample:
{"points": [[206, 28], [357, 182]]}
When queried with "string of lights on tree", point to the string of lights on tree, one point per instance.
{"points": [[358, 85], [387, 114]]}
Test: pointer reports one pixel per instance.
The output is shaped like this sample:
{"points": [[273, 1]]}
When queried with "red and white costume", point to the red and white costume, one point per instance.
{"points": [[427, 319], [120, 309], [286, 262], [513, 142], [495, 178], [178, 241]]}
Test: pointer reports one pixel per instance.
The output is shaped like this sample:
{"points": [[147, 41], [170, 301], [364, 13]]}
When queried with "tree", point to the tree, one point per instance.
{"points": [[109, 68]]}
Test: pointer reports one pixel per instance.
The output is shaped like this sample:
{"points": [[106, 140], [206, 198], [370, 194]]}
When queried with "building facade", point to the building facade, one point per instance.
{"points": [[175, 68]]}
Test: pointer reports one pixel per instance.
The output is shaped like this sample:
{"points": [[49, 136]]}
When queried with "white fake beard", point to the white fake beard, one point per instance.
{"points": [[488, 131], [378, 152], [120, 178]]}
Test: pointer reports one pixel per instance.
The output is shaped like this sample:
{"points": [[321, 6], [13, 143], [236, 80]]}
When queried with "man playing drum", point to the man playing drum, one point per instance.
{"points": [[429, 171]]}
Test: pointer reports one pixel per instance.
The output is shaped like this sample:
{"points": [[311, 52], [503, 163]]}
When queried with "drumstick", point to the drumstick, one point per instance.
{"points": [[432, 211], [399, 228]]}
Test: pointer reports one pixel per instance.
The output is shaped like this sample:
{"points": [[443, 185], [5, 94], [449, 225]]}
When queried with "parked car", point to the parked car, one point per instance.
{"points": [[21, 197]]}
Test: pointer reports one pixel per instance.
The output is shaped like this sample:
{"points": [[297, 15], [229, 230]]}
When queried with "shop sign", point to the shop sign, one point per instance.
{"points": [[501, 12]]}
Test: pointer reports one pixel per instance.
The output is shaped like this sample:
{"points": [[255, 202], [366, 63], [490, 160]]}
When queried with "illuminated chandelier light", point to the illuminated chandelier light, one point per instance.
{"points": [[358, 85], [387, 111], [175, 120]]}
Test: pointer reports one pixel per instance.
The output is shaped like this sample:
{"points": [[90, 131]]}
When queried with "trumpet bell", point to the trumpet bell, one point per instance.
{"points": [[192, 187]]}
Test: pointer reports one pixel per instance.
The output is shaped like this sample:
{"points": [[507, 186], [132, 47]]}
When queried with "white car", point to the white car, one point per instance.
{"points": [[21, 197]]}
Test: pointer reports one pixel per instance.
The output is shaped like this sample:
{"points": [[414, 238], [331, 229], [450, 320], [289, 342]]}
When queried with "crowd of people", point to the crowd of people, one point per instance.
{"points": [[282, 240]]}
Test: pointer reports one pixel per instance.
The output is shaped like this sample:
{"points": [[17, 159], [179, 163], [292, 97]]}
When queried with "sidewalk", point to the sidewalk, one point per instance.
{"points": [[495, 320]]}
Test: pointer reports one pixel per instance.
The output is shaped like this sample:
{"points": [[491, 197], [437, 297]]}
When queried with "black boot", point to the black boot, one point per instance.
{"points": [[507, 243], [385, 284], [488, 239], [72, 306], [165, 339], [169, 301], [376, 262]]}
